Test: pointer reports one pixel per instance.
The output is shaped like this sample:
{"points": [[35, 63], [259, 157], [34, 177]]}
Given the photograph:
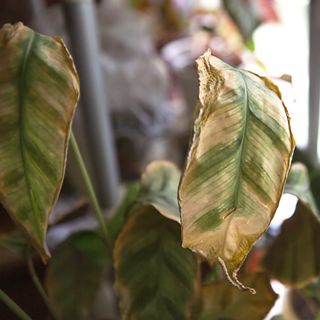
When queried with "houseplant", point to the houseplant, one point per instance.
{"points": [[223, 200]]}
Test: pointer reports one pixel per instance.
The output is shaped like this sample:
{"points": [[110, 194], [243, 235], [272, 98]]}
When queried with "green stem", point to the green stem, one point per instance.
{"points": [[13, 306], [91, 193], [38, 285]]}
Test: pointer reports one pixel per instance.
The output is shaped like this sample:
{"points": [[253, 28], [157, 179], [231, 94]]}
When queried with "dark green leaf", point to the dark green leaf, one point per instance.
{"points": [[117, 221], [75, 273], [155, 277], [294, 256], [245, 14], [16, 242]]}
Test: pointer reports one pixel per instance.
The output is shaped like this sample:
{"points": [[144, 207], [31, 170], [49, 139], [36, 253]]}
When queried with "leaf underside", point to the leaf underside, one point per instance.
{"points": [[39, 89], [237, 164], [155, 277]]}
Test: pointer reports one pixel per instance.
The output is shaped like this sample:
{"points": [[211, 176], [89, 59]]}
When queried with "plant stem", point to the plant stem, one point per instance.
{"points": [[13, 306], [36, 281], [91, 193]]}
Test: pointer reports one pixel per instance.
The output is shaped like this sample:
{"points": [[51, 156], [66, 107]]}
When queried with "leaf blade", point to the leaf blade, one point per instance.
{"points": [[155, 277], [75, 273], [39, 92], [237, 164]]}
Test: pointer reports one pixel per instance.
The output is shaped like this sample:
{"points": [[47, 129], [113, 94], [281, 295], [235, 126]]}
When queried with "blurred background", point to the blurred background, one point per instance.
{"points": [[139, 86]]}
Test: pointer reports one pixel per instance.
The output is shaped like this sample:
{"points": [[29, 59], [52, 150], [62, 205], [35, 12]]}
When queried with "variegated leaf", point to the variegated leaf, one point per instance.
{"points": [[237, 164], [38, 94], [155, 277]]}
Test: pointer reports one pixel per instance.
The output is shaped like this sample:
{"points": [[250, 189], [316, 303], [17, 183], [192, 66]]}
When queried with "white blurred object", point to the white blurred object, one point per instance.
{"points": [[286, 208], [284, 49]]}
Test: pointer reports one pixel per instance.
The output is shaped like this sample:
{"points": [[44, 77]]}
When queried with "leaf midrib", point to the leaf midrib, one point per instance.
{"points": [[21, 102], [242, 145]]}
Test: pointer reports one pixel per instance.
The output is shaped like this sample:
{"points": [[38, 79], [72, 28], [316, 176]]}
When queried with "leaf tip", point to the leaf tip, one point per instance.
{"points": [[233, 278]]}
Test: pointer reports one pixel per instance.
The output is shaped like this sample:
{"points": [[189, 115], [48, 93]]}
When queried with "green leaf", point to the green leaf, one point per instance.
{"points": [[298, 184], [293, 257], [38, 94], [155, 277], [75, 273], [16, 242], [221, 301], [159, 187], [115, 224], [237, 164], [245, 14]]}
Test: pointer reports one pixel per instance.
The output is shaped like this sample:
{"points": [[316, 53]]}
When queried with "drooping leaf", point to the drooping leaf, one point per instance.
{"points": [[159, 187], [294, 256], [38, 93], [155, 276], [237, 164], [221, 301], [298, 184], [75, 273]]}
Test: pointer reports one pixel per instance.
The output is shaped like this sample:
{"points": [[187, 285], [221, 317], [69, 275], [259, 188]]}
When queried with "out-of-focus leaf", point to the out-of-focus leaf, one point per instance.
{"points": [[221, 301], [245, 14], [294, 256], [38, 94], [75, 273], [313, 170], [117, 221], [298, 185], [155, 277], [16, 242], [237, 164], [159, 187]]}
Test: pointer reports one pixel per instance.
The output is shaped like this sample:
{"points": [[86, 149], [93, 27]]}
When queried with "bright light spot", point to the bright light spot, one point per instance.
{"points": [[286, 208], [281, 290], [284, 49]]}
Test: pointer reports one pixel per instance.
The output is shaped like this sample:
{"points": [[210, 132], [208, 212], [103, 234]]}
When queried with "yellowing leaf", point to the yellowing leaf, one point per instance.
{"points": [[39, 89], [220, 301], [155, 277], [237, 164]]}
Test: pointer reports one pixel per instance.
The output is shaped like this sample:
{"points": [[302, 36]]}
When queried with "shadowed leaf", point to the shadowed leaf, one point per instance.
{"points": [[294, 256], [221, 301], [39, 90], [237, 164], [117, 221], [16, 242], [75, 273], [155, 277]]}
